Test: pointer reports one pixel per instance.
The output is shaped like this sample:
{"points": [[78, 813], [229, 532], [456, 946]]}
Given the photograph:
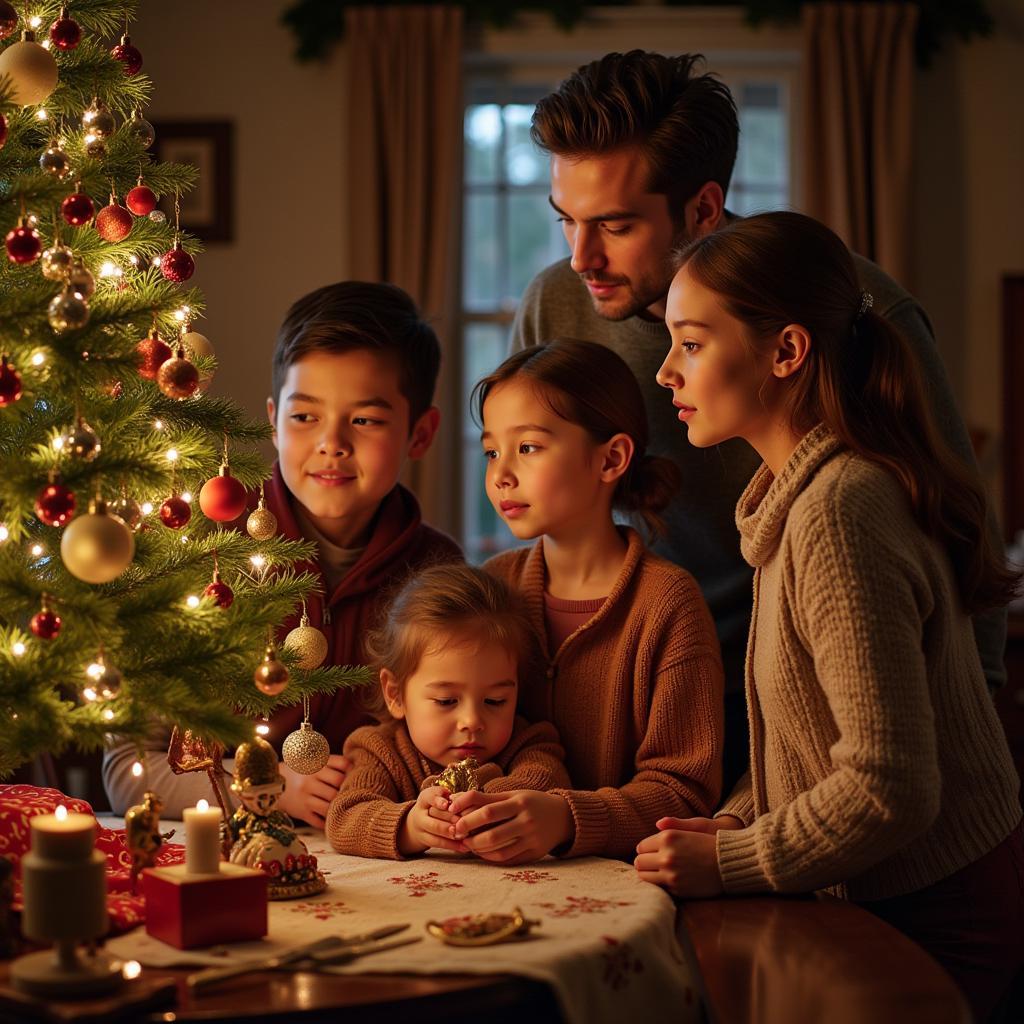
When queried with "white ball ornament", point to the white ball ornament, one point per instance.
{"points": [[32, 68], [97, 547]]}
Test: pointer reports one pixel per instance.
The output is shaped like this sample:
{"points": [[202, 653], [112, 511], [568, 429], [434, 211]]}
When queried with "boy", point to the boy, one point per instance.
{"points": [[353, 382]]}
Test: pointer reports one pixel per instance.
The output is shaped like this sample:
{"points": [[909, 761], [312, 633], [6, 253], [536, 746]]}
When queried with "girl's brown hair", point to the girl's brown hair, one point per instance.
{"points": [[591, 386], [860, 378], [444, 604]]}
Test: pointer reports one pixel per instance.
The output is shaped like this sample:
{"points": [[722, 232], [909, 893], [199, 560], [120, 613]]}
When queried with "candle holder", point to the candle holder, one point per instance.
{"points": [[64, 895]]}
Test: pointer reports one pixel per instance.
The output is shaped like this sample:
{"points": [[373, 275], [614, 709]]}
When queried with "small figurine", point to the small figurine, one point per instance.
{"points": [[482, 929], [142, 830], [264, 837], [460, 776]]}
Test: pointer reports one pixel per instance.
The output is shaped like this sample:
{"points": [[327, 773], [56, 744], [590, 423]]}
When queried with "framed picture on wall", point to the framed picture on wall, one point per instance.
{"points": [[207, 211]]}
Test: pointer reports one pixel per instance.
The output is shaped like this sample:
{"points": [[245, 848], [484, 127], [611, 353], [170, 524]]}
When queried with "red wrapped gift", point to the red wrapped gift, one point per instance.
{"points": [[20, 803], [186, 910]]}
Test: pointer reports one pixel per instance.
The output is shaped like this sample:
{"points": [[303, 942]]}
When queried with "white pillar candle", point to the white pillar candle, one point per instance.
{"points": [[64, 879], [202, 839]]}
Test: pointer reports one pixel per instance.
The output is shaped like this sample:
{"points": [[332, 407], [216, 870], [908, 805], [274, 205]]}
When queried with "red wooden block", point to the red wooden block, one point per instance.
{"points": [[186, 910]]}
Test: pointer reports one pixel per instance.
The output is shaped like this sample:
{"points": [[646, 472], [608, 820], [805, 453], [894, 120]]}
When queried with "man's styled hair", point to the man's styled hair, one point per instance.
{"points": [[684, 123], [353, 315]]}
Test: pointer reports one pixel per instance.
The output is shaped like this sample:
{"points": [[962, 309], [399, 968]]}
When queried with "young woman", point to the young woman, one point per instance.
{"points": [[631, 673], [879, 769]]}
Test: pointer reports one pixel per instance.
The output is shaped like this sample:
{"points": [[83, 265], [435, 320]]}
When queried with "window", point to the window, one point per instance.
{"points": [[510, 233]]}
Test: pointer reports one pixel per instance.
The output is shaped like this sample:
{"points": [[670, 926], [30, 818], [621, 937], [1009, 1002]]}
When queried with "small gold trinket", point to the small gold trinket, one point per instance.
{"points": [[460, 776], [482, 929]]}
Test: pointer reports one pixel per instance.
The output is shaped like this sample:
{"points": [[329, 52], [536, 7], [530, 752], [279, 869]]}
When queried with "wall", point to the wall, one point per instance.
{"points": [[232, 60], [969, 211]]}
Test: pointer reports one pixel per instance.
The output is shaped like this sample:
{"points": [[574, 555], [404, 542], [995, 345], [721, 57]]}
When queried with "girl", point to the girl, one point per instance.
{"points": [[631, 673], [448, 651], [878, 769]]}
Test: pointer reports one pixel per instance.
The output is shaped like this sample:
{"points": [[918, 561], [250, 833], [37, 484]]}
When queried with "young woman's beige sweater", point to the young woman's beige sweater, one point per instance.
{"points": [[878, 765]]}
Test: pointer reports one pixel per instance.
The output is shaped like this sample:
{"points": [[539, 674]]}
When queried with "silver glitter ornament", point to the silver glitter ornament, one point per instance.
{"points": [[307, 643], [55, 161], [67, 311], [56, 261], [305, 751]]}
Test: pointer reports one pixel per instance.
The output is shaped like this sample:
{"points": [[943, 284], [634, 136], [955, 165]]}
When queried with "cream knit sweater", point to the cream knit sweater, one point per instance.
{"points": [[878, 765]]}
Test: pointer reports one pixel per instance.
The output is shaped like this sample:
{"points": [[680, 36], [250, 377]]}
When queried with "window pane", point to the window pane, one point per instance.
{"points": [[534, 240], [483, 138], [524, 163], [484, 534], [480, 253]]}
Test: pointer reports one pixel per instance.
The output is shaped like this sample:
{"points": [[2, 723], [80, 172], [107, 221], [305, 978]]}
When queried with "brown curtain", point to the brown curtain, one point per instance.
{"points": [[404, 152], [858, 68]]}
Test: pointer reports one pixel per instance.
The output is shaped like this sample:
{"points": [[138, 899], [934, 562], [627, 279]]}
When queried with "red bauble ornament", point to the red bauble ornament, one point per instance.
{"points": [[77, 209], [8, 19], [55, 504], [175, 512], [3, 130], [65, 32], [128, 55], [141, 200], [176, 264], [222, 498], [23, 243], [45, 624], [153, 352], [10, 382], [221, 593], [113, 222]]}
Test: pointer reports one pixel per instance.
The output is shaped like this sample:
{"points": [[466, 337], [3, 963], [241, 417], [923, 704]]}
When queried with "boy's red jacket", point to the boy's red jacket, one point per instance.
{"points": [[399, 544]]}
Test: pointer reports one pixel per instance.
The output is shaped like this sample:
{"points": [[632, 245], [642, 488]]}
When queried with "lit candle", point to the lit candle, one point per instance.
{"points": [[202, 839]]}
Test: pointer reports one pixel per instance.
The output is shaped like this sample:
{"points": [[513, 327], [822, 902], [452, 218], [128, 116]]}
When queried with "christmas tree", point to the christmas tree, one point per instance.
{"points": [[122, 603]]}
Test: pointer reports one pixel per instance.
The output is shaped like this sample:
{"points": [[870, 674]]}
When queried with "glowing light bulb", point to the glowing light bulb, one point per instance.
{"points": [[132, 969], [184, 538], [37, 550], [95, 670], [108, 714], [46, 44], [41, 114], [34, 22], [58, 443], [110, 269], [262, 729], [38, 358], [17, 648], [156, 261], [172, 454], [186, 496], [158, 424], [136, 768], [90, 694], [192, 601], [4, 533], [133, 260], [258, 561]]}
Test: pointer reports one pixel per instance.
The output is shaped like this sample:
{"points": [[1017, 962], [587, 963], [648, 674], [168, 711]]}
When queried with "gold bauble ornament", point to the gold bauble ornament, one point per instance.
{"points": [[261, 524], [307, 643], [82, 442], [56, 262], [178, 376], [271, 677], [97, 547], [305, 751], [80, 278], [32, 68], [197, 344], [255, 765]]}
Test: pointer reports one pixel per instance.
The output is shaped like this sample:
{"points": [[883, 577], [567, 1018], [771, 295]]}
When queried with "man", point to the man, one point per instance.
{"points": [[642, 149]]}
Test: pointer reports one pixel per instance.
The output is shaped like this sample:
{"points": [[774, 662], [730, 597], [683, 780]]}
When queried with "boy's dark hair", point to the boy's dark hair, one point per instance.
{"points": [[684, 123], [352, 315]]}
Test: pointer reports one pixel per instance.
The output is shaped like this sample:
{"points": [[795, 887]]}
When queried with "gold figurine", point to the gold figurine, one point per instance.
{"points": [[460, 776], [142, 830]]}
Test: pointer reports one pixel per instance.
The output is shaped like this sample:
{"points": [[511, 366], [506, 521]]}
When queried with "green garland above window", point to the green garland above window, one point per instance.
{"points": [[319, 24]]}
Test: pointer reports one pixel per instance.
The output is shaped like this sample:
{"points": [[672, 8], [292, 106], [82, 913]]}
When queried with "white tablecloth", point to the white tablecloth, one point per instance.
{"points": [[606, 944]]}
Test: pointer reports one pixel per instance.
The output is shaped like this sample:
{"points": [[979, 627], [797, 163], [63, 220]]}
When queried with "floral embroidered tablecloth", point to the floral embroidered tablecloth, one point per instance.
{"points": [[606, 944]]}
